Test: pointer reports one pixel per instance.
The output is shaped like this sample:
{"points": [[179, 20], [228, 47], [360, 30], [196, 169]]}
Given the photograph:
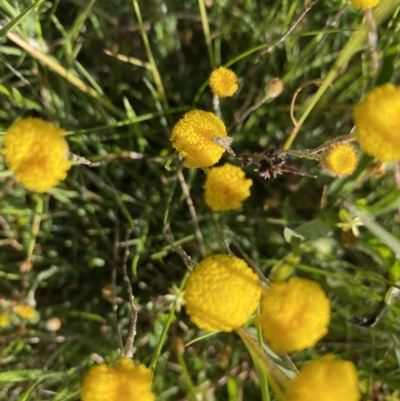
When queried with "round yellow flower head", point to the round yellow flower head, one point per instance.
{"points": [[37, 152], [365, 4], [223, 82], [221, 293], [295, 315], [377, 120], [325, 379], [226, 188], [125, 381], [193, 136], [4, 319], [339, 160], [25, 311]]}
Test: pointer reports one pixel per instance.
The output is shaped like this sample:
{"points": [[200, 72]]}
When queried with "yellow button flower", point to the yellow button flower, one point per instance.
{"points": [[4, 319], [365, 4], [25, 311], [223, 82], [37, 152], [124, 382], [339, 160], [325, 379], [295, 315], [222, 293], [377, 120], [193, 136], [226, 188]]}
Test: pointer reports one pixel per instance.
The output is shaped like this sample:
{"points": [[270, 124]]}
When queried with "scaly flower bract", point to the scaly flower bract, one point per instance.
{"points": [[223, 82], [377, 120], [193, 136], [339, 160], [325, 379], [226, 188], [294, 315], [365, 4], [37, 152], [221, 293], [123, 382]]}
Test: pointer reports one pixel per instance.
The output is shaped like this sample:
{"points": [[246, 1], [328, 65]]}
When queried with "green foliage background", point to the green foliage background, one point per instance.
{"points": [[123, 123]]}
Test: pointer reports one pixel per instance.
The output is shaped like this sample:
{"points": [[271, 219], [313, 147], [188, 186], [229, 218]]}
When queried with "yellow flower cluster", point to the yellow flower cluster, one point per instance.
{"points": [[223, 82], [125, 381], [226, 188], [295, 315], [365, 4], [325, 379], [193, 136], [377, 120], [37, 152], [339, 160], [222, 293], [25, 311]]}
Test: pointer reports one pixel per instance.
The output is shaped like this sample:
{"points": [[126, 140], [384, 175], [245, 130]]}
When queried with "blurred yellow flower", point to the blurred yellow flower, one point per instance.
{"points": [[223, 82], [37, 152], [221, 293], [365, 4], [339, 160], [4, 319], [124, 382], [325, 379], [226, 188], [193, 136], [25, 311], [377, 120], [294, 315]]}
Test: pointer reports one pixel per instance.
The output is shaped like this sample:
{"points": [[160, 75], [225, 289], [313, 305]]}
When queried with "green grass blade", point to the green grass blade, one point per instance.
{"points": [[17, 20]]}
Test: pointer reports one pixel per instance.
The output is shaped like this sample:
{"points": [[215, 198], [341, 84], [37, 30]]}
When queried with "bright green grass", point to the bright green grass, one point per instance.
{"points": [[85, 66]]}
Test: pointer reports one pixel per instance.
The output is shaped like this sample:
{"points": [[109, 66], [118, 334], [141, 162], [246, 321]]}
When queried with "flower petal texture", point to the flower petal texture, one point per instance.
{"points": [[365, 4], [226, 188], [193, 136], [377, 120], [222, 293], [339, 160], [124, 382], [294, 315], [325, 379], [223, 82], [37, 152]]}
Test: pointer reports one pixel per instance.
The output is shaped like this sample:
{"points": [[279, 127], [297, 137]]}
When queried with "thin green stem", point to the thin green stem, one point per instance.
{"points": [[156, 75], [206, 30]]}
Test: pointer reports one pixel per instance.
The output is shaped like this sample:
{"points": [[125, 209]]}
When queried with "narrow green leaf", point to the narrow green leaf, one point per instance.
{"points": [[17, 20], [21, 375]]}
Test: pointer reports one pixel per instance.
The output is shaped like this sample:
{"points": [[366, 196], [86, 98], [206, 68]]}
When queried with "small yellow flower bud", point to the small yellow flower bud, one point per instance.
{"points": [[339, 160], [325, 379], [194, 138], [223, 82], [222, 293], [294, 315], [365, 4], [226, 187], [37, 152]]}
